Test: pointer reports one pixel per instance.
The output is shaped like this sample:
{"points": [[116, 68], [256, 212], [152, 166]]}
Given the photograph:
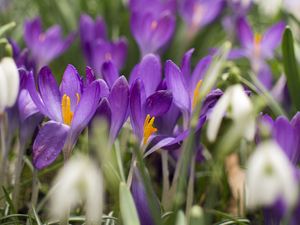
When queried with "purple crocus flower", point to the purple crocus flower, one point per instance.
{"points": [[69, 107], [146, 101], [185, 85], [45, 46], [113, 106], [195, 12], [97, 48], [258, 47], [152, 27]]}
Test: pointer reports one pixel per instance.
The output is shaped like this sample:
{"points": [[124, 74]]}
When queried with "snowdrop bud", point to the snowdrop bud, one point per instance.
{"points": [[270, 176], [80, 180], [238, 107], [9, 83]]}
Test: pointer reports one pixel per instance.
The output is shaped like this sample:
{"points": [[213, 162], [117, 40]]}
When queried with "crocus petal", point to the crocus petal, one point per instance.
{"points": [[32, 30], [104, 89], [71, 85], [90, 76], [36, 98], [11, 73], [50, 93], [137, 113], [245, 33], [110, 73], [104, 111], [164, 142], [85, 109], [28, 126], [287, 137], [26, 105], [119, 100], [186, 63], [150, 73], [140, 199], [272, 38], [164, 30], [176, 84], [49, 143], [199, 72], [119, 52], [158, 103]]}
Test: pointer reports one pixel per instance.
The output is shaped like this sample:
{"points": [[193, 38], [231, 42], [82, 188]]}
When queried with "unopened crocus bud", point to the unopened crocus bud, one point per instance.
{"points": [[80, 180], [9, 83], [270, 177]]}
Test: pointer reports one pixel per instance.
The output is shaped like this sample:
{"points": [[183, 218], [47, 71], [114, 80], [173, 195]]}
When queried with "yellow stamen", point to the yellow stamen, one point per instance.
{"points": [[149, 129], [257, 44], [257, 39], [196, 94], [67, 114], [154, 25], [77, 98]]}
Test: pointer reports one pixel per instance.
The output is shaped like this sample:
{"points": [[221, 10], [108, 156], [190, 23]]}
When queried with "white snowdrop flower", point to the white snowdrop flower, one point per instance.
{"points": [[269, 7], [9, 83], [236, 105], [269, 176], [293, 7], [80, 180]]}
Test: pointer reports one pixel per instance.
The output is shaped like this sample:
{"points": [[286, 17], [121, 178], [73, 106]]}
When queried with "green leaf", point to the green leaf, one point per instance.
{"points": [[37, 219], [128, 211], [9, 201], [291, 67], [6, 27]]}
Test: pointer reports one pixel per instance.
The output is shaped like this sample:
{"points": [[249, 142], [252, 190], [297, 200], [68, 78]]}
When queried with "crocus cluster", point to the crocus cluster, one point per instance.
{"points": [[196, 112]]}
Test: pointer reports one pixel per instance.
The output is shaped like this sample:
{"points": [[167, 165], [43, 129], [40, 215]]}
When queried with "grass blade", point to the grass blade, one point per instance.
{"points": [[291, 67], [128, 210]]}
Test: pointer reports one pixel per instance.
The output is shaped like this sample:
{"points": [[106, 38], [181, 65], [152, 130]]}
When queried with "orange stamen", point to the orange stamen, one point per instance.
{"points": [[196, 94], [67, 114], [77, 98], [149, 129]]}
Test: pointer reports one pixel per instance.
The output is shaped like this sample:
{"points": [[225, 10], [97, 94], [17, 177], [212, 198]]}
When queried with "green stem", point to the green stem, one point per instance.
{"points": [[190, 189], [272, 103], [18, 171], [165, 173]]}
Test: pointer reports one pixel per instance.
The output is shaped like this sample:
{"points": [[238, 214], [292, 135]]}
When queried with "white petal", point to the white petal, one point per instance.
{"points": [[242, 108], [3, 91], [80, 180], [12, 78], [216, 116], [270, 175]]}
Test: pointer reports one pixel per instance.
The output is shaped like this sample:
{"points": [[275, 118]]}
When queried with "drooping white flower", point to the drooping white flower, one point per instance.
{"points": [[80, 180], [236, 105], [293, 7], [9, 83], [269, 176]]}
